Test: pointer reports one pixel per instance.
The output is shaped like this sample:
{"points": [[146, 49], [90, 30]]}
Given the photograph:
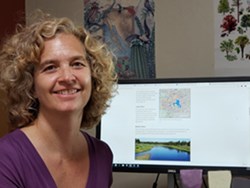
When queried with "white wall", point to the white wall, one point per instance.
{"points": [[184, 48], [184, 38], [72, 9]]}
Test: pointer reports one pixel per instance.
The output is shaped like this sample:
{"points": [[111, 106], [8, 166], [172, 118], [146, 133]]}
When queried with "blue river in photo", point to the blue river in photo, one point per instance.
{"points": [[164, 153]]}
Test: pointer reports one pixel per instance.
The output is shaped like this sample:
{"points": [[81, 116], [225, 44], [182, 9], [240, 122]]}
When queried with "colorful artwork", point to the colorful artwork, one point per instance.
{"points": [[232, 36], [128, 28]]}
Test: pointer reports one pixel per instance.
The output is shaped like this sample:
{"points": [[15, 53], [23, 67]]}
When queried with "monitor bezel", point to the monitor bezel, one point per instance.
{"points": [[176, 168]]}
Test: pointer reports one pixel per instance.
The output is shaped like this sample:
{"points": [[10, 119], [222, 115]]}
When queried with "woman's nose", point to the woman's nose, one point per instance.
{"points": [[67, 75]]}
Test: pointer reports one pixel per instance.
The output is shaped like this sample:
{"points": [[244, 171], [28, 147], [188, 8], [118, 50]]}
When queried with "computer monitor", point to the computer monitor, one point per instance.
{"points": [[164, 125]]}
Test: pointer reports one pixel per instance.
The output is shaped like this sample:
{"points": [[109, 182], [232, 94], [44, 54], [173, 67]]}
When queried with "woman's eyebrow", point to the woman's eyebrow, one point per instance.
{"points": [[43, 64], [78, 57]]}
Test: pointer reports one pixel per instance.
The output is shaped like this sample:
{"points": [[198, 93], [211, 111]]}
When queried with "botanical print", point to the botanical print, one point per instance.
{"points": [[232, 39], [128, 28]]}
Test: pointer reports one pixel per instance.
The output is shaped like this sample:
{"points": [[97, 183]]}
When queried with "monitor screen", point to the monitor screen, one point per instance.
{"points": [[164, 125]]}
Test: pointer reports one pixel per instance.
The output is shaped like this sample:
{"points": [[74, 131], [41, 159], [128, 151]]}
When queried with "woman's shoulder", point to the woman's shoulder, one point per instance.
{"points": [[10, 161], [9, 142], [96, 143], [11, 147], [20, 164], [101, 158]]}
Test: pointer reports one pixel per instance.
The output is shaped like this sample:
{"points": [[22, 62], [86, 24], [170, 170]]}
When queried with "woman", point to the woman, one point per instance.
{"points": [[57, 79]]}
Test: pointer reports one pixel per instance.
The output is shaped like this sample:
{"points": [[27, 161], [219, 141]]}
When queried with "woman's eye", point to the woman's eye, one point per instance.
{"points": [[78, 64], [49, 68]]}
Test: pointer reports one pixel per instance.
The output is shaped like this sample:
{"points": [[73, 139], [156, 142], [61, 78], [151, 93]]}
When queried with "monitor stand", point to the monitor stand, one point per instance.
{"points": [[171, 180]]}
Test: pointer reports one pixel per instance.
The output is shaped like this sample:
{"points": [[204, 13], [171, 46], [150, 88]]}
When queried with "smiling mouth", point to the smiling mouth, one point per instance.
{"points": [[67, 91]]}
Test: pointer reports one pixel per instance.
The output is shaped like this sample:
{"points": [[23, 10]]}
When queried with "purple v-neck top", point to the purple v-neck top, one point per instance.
{"points": [[21, 166]]}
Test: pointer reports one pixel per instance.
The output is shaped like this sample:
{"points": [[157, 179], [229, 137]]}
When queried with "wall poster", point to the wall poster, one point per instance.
{"points": [[128, 28], [232, 37]]}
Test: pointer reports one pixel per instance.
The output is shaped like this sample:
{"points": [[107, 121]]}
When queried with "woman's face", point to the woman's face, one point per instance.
{"points": [[63, 77]]}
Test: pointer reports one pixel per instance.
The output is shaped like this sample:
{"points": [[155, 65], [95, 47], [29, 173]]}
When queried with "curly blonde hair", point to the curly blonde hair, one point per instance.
{"points": [[21, 52]]}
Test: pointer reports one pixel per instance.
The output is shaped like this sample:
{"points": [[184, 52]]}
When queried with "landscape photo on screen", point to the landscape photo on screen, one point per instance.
{"points": [[162, 149]]}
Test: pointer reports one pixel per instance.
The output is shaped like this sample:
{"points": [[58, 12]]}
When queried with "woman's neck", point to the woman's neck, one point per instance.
{"points": [[59, 134]]}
